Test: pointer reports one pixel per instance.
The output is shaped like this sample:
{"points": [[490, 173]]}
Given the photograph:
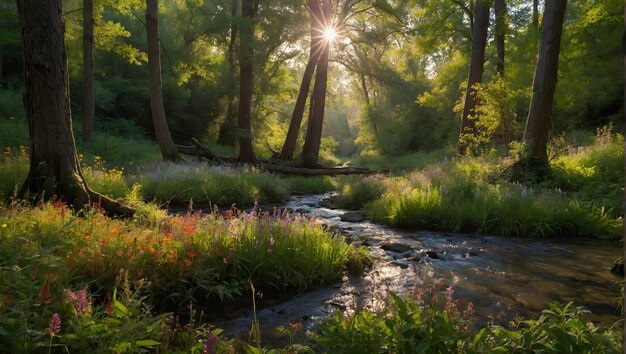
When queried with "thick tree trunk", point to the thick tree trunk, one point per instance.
{"points": [[246, 79], [536, 14], [89, 102], [228, 129], [312, 141], [161, 130], [477, 62], [291, 140], [534, 160], [499, 8], [54, 168]]}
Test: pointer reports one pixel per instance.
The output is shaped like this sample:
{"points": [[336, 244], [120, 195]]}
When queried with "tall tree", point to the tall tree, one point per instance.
{"points": [[54, 167], [249, 10], [477, 62], [534, 160], [89, 103], [314, 52], [536, 14], [313, 138], [499, 8], [161, 130], [228, 129]]}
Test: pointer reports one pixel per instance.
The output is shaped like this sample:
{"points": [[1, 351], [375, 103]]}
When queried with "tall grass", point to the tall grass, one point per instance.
{"points": [[469, 195], [201, 183]]}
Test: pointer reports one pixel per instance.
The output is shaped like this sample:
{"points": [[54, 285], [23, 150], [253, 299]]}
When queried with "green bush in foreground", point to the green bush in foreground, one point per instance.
{"points": [[410, 326]]}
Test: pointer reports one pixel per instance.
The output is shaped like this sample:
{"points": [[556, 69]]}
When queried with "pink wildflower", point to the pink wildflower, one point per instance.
{"points": [[210, 346], [55, 324], [469, 310]]}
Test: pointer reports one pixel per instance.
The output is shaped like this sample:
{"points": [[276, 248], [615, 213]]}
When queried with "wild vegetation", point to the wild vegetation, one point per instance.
{"points": [[113, 240]]}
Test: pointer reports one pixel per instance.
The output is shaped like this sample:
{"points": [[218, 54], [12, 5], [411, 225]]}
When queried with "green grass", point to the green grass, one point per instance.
{"points": [[469, 195], [310, 185], [161, 260], [201, 183]]}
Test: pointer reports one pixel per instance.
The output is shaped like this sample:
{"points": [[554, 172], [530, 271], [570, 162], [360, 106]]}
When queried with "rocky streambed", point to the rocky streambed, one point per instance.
{"points": [[502, 276]]}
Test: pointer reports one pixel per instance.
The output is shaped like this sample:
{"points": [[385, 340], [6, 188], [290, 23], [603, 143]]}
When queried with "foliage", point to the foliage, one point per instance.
{"points": [[201, 183], [310, 185], [594, 173], [356, 192], [427, 321], [467, 196], [192, 256], [559, 329]]}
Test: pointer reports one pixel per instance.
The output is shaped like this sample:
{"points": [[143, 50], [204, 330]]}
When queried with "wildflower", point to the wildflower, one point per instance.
{"points": [[44, 295], [82, 302], [450, 303], [4, 226], [55, 324], [469, 310], [7, 299], [210, 346], [108, 307]]}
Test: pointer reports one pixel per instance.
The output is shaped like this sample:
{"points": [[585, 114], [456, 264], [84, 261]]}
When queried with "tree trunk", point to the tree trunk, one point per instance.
{"points": [[296, 118], [500, 32], [161, 130], [312, 141], [89, 103], [228, 129], [534, 160], [536, 14], [246, 80], [477, 61], [54, 167]]}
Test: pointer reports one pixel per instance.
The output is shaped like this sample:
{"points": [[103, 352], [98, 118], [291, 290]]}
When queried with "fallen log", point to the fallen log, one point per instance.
{"points": [[198, 149], [303, 171]]}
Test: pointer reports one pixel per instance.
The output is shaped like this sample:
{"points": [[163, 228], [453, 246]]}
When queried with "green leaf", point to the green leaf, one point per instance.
{"points": [[147, 343]]}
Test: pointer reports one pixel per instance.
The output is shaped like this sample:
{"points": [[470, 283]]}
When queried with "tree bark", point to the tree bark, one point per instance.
{"points": [[536, 14], [312, 141], [477, 62], [534, 160], [161, 130], [89, 102], [246, 80], [228, 129], [291, 140], [54, 167], [499, 7]]}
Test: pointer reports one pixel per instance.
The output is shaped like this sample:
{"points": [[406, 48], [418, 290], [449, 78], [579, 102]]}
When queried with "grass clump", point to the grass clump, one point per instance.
{"points": [[594, 173], [356, 192], [181, 183], [310, 185], [468, 196], [199, 256]]}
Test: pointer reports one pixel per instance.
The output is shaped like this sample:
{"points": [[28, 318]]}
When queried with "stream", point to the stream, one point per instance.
{"points": [[502, 276]]}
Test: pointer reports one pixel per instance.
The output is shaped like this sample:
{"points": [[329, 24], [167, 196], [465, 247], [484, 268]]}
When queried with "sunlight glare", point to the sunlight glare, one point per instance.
{"points": [[330, 34]]}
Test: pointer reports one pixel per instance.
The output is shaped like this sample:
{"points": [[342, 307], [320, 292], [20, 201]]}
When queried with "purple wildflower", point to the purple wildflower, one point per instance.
{"points": [[55, 324], [210, 346]]}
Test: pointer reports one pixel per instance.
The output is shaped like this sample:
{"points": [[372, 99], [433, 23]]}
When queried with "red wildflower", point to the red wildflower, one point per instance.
{"points": [[108, 307], [44, 295]]}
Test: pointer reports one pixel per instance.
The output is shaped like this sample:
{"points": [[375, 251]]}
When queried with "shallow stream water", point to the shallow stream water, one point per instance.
{"points": [[502, 276]]}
